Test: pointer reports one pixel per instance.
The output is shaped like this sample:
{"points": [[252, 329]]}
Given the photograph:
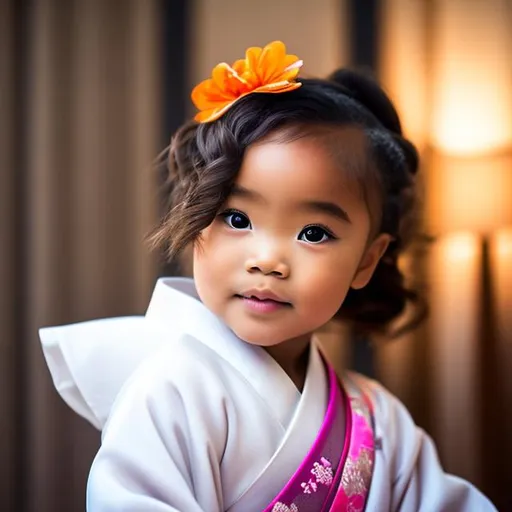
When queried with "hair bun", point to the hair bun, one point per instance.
{"points": [[364, 88]]}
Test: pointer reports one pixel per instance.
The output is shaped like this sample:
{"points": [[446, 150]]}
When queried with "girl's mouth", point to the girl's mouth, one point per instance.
{"points": [[263, 305]]}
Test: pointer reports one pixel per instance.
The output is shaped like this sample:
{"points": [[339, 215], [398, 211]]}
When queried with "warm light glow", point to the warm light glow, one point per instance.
{"points": [[454, 300], [403, 66], [471, 116], [470, 193], [501, 264], [503, 244], [460, 247], [472, 100]]}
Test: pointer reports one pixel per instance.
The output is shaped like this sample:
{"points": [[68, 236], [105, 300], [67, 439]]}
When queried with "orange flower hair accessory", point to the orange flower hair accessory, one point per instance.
{"points": [[267, 69]]}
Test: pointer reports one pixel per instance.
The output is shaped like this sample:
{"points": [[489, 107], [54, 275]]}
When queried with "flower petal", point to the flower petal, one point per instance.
{"points": [[289, 75], [296, 65], [271, 61], [252, 57], [206, 94], [290, 59], [220, 108], [281, 87], [206, 116], [246, 74], [264, 70], [229, 81], [290, 72], [239, 66], [220, 75]]}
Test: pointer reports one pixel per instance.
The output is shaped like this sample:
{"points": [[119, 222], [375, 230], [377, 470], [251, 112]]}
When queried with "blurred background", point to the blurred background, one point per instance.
{"points": [[90, 93]]}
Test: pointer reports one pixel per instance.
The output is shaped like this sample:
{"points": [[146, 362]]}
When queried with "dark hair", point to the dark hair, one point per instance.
{"points": [[204, 160]]}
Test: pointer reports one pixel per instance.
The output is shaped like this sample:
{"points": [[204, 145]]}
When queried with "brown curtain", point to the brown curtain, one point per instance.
{"points": [[80, 101]]}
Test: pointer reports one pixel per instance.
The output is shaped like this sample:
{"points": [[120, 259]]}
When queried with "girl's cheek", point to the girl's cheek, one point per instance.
{"points": [[330, 272]]}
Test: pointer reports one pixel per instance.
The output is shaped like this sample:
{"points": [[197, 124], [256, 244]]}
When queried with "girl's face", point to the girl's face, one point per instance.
{"points": [[277, 262]]}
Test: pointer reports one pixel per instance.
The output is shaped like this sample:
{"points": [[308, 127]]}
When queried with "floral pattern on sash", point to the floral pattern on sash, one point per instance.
{"points": [[330, 480], [358, 469], [281, 507]]}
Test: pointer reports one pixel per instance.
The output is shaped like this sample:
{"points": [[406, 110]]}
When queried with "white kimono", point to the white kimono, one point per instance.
{"points": [[201, 421]]}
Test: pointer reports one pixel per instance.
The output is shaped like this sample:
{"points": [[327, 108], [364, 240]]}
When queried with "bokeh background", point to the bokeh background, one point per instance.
{"points": [[90, 93]]}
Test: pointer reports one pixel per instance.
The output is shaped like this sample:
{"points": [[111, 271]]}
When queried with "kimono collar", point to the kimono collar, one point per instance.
{"points": [[175, 305]]}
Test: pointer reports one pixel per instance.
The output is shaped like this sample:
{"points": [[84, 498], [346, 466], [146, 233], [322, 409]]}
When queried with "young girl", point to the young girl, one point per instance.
{"points": [[293, 195]]}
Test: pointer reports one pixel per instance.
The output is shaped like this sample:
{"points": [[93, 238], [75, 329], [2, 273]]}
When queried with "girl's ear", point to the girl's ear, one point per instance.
{"points": [[369, 261]]}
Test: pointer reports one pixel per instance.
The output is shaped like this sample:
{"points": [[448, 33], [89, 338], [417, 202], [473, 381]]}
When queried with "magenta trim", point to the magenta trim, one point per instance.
{"points": [[292, 489], [356, 502], [346, 447]]}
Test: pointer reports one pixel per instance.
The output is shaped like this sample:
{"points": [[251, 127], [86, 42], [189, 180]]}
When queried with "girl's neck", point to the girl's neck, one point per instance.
{"points": [[293, 357]]}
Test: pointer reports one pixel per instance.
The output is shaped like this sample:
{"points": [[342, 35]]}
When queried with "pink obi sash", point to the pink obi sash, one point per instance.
{"points": [[334, 477]]}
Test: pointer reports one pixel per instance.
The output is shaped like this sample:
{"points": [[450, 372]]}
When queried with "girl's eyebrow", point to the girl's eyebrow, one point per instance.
{"points": [[327, 207], [239, 191]]}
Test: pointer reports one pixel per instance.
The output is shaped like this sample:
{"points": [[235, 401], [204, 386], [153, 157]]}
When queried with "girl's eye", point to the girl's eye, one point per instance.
{"points": [[315, 235], [236, 220]]}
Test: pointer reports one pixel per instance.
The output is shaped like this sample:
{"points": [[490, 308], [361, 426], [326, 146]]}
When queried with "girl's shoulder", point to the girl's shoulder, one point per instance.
{"points": [[95, 362], [185, 366], [381, 399], [392, 422], [183, 378]]}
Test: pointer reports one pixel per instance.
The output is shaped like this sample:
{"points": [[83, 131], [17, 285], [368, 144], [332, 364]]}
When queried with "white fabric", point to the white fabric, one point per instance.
{"points": [[204, 405], [407, 474], [209, 423], [90, 361]]}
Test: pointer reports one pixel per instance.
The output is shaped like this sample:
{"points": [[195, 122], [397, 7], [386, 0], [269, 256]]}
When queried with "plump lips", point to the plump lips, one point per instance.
{"points": [[263, 301]]}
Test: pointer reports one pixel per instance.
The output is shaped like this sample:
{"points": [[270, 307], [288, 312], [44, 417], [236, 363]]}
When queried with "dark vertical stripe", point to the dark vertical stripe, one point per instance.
{"points": [[364, 29], [23, 11], [495, 474], [176, 28], [362, 356], [364, 24], [22, 14], [176, 19]]}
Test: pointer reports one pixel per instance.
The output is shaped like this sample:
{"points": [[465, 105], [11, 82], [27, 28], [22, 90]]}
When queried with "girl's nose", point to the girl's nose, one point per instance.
{"points": [[268, 264]]}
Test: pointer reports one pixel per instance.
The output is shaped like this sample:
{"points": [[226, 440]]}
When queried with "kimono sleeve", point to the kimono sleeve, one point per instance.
{"points": [[162, 445], [408, 475]]}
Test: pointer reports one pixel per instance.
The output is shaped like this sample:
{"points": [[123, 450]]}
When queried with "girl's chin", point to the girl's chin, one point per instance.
{"points": [[261, 338]]}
